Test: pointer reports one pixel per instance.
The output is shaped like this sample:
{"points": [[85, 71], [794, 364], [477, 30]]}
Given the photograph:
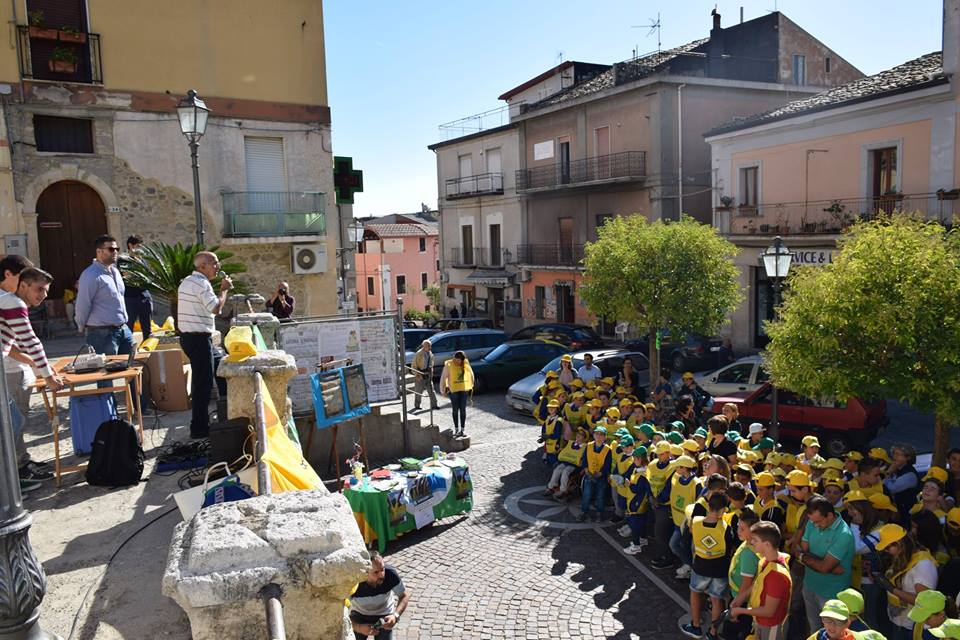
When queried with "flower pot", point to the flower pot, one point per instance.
{"points": [[69, 36], [62, 66], [42, 33]]}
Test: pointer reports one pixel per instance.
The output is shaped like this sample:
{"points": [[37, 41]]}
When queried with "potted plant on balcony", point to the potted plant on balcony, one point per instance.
{"points": [[37, 28], [751, 226], [839, 216], [63, 60], [72, 34], [945, 194], [726, 203]]}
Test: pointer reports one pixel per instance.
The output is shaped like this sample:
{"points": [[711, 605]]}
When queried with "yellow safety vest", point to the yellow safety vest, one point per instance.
{"points": [[853, 485], [552, 430], [764, 508], [630, 494], [734, 590], [595, 459], [658, 477], [461, 377], [918, 556], [766, 568], [624, 464], [574, 416], [681, 495], [709, 543], [572, 454], [795, 511], [917, 508]]}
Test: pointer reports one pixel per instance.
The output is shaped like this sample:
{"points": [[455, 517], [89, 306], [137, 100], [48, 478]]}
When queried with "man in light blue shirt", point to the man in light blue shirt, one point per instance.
{"points": [[100, 312], [827, 553]]}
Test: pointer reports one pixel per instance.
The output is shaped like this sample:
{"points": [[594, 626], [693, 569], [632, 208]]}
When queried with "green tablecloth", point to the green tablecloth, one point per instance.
{"points": [[440, 490]]}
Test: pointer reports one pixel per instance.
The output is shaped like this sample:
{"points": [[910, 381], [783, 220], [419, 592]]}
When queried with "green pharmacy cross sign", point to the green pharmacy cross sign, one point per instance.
{"points": [[346, 180]]}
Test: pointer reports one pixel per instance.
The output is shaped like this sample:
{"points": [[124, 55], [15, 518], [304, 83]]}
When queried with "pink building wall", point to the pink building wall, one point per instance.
{"points": [[403, 256]]}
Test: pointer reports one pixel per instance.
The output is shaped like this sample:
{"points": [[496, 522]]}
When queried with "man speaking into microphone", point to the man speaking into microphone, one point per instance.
{"points": [[197, 305]]}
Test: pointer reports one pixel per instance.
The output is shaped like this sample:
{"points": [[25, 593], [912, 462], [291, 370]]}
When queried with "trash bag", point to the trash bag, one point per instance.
{"points": [[289, 470]]}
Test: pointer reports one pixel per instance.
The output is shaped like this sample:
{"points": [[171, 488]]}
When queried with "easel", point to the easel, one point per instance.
{"points": [[333, 455]]}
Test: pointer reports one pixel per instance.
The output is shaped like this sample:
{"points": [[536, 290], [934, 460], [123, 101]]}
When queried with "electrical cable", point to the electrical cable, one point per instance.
{"points": [[76, 617]]}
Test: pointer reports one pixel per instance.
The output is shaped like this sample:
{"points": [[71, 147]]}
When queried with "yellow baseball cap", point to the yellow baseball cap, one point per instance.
{"points": [[743, 466], [778, 473], [835, 463], [937, 473], [832, 482], [831, 474], [566, 358], [953, 517], [607, 381], [553, 404], [765, 479], [949, 629], [613, 412], [787, 459], [773, 458], [810, 441], [818, 463], [626, 402], [855, 496], [676, 450], [856, 456], [576, 383], [649, 405], [691, 446], [798, 478], [577, 395], [590, 393], [552, 374], [687, 375], [596, 402], [661, 448], [890, 533], [881, 502], [687, 461], [880, 454], [554, 384]]}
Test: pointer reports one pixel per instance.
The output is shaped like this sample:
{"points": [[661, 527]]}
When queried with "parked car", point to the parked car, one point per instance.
{"points": [[746, 374], [475, 343], [575, 336], [839, 425], [511, 361], [452, 324], [694, 353], [413, 338], [520, 394]]}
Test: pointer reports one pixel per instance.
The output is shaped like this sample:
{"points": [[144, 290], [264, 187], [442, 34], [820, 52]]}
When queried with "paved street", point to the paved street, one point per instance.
{"points": [[504, 571]]}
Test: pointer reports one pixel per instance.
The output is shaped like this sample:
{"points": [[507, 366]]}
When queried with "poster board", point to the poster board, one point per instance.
{"points": [[370, 341], [339, 395]]}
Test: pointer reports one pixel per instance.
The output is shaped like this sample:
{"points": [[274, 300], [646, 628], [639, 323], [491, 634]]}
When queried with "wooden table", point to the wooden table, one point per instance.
{"points": [[131, 377]]}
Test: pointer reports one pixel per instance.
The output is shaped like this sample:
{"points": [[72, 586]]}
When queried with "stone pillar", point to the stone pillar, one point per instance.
{"points": [[307, 542], [276, 367], [266, 322]]}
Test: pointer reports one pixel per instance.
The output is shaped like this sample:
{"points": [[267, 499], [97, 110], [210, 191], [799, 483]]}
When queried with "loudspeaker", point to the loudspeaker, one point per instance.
{"points": [[227, 438]]}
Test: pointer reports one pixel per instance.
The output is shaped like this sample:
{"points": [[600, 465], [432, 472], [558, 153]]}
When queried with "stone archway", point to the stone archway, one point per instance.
{"points": [[70, 215]]}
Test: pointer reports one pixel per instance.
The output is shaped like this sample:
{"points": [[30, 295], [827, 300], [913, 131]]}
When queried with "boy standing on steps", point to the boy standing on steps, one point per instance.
{"points": [[713, 543]]}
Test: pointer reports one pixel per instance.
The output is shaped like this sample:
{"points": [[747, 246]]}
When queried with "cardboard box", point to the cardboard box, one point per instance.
{"points": [[168, 375]]}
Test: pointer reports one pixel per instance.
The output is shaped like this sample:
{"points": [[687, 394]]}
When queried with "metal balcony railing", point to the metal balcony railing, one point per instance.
{"points": [[478, 257], [479, 185], [550, 255], [56, 54], [273, 213], [830, 216], [628, 165]]}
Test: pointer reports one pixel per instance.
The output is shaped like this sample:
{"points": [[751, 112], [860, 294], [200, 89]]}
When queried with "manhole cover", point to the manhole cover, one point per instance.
{"points": [[530, 505]]}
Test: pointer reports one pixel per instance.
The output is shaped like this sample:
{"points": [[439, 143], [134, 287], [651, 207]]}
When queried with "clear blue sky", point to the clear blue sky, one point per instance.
{"points": [[398, 69]]}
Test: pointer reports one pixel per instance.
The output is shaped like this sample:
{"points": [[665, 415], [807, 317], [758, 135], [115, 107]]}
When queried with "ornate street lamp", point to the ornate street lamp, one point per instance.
{"points": [[22, 582], [776, 262], [193, 114]]}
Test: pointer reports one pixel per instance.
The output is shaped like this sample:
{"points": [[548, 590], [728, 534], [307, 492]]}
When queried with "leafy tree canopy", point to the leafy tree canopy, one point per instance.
{"points": [[881, 321]]}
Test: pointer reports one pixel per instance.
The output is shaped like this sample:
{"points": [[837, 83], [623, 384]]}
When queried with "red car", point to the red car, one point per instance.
{"points": [[838, 425]]}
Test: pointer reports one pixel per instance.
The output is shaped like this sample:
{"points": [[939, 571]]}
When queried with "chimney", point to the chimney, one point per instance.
{"points": [[716, 19], [951, 41]]}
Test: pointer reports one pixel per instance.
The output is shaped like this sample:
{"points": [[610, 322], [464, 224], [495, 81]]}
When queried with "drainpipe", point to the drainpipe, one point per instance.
{"points": [[680, 150]]}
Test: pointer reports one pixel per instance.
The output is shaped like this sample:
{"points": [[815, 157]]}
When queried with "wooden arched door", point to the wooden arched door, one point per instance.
{"points": [[70, 215]]}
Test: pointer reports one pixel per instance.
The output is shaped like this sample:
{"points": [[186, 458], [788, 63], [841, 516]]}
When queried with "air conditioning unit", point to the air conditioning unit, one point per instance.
{"points": [[308, 258], [525, 275], [444, 277]]}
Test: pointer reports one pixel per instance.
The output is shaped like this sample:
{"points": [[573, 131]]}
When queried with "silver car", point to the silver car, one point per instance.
{"points": [[744, 375], [609, 361], [475, 343]]}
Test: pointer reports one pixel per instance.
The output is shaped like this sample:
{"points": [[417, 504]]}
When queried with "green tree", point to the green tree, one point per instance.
{"points": [[433, 295], [881, 321], [678, 276], [160, 268]]}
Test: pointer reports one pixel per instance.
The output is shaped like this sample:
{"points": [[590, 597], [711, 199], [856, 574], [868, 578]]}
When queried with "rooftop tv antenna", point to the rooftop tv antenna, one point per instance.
{"points": [[654, 25]]}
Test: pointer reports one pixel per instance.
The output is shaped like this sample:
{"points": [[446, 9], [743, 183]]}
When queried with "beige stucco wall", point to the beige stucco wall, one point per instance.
{"points": [[794, 40]]}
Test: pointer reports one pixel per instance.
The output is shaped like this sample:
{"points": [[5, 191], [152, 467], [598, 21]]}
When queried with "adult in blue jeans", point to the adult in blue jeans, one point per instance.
{"points": [[457, 381], [101, 314], [596, 477]]}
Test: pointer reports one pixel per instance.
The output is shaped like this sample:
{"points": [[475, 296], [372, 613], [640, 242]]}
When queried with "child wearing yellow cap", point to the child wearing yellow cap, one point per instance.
{"points": [[638, 498], [569, 461], [598, 460], [659, 474], [868, 478], [552, 433]]}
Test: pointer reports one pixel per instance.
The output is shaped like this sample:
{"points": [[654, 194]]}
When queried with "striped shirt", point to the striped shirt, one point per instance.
{"points": [[378, 599], [15, 329], [196, 304]]}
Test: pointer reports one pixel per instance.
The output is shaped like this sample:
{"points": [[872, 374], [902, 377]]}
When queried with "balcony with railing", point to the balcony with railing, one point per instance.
{"points": [[469, 257], [483, 184], [626, 166], [550, 255], [831, 216], [252, 214], [60, 55]]}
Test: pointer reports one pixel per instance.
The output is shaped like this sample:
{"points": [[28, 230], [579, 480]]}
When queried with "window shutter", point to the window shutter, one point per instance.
{"points": [[264, 159]]}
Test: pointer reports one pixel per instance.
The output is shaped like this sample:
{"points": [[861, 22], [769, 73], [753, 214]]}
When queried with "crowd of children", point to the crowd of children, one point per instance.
{"points": [[770, 542]]}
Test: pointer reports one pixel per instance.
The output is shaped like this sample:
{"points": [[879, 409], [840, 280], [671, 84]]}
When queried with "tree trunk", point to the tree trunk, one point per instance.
{"points": [[941, 440], [654, 357]]}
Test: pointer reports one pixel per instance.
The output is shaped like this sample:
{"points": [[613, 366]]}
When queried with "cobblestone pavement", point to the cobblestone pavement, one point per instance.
{"points": [[494, 575]]}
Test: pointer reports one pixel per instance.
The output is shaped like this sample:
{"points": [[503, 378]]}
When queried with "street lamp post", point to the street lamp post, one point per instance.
{"points": [[776, 263], [193, 113], [22, 581]]}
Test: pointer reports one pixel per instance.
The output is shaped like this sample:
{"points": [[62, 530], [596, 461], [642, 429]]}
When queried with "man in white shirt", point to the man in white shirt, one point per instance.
{"points": [[588, 372], [197, 305]]}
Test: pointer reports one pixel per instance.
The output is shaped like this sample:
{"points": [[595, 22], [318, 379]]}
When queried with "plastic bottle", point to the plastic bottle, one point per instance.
{"points": [[436, 452], [358, 470]]}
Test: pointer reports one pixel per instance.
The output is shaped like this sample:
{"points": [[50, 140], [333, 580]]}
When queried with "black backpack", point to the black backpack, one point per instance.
{"points": [[116, 457]]}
